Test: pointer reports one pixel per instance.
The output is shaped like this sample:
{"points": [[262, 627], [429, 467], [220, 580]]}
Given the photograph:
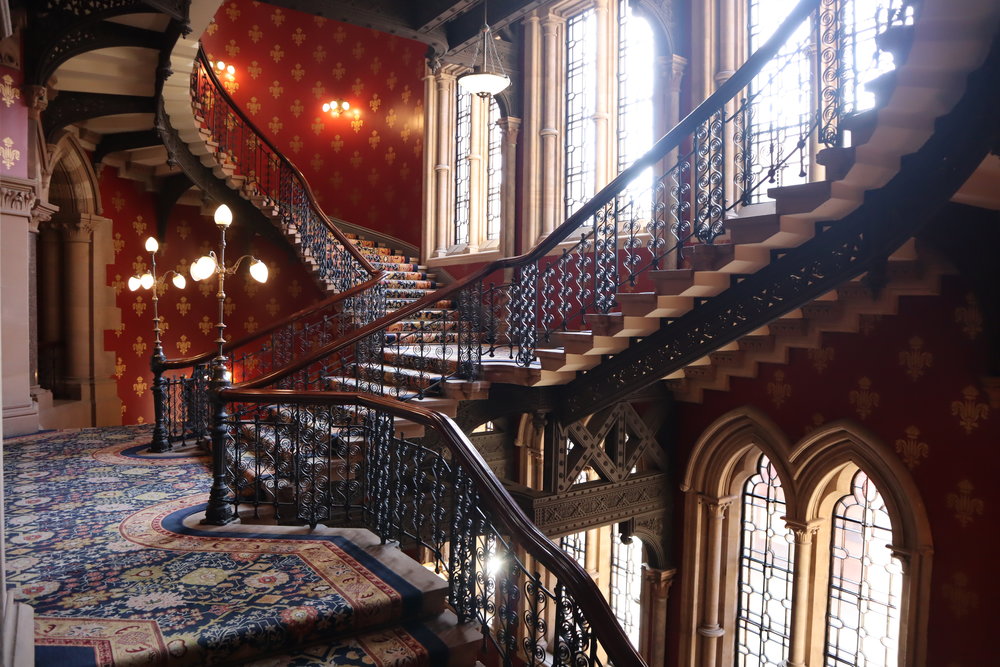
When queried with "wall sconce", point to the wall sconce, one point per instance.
{"points": [[222, 69], [337, 107]]}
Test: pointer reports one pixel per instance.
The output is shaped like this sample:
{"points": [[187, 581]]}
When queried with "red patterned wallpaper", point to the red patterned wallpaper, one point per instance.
{"points": [[365, 169], [188, 315], [913, 380], [13, 125]]}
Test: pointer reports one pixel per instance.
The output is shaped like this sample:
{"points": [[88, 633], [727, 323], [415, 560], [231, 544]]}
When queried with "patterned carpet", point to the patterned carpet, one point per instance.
{"points": [[103, 542]]}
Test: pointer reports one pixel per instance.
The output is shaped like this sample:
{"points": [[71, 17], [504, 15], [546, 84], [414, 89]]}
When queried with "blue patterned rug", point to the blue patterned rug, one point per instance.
{"points": [[97, 544]]}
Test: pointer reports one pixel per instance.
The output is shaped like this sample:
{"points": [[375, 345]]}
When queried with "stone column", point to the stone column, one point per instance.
{"points": [[653, 622], [20, 411], [443, 168], [478, 123], [76, 298], [709, 629], [430, 232], [805, 538], [510, 126], [551, 176], [531, 156]]}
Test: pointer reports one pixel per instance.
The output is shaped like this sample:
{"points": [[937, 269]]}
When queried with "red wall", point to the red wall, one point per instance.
{"points": [[944, 338], [188, 315], [366, 170], [13, 125]]}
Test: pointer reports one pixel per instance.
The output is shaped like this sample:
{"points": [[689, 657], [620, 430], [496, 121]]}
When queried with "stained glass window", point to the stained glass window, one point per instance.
{"points": [[581, 94], [865, 582], [463, 139], [763, 624]]}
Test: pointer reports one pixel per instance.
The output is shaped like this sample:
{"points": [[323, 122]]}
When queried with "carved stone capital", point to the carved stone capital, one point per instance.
{"points": [[991, 385], [16, 197], [805, 531], [659, 581], [79, 230], [37, 100], [42, 213], [511, 127]]}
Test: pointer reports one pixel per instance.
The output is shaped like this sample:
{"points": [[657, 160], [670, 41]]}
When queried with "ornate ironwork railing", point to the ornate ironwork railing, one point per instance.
{"points": [[181, 399], [273, 182], [336, 458], [708, 167]]}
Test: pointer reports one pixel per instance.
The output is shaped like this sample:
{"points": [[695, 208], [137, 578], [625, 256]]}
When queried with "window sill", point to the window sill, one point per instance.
{"points": [[464, 257]]}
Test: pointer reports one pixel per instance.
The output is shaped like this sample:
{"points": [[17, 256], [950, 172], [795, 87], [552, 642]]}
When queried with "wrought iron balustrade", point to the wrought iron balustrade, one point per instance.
{"points": [[336, 458]]}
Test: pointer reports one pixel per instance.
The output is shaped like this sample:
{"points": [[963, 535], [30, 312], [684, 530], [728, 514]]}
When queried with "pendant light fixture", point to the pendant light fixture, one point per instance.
{"points": [[487, 76]]}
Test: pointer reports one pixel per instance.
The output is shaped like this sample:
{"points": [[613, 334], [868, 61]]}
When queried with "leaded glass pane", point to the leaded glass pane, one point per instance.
{"points": [[575, 546], [463, 138], [581, 93], [763, 624], [866, 582], [636, 83], [626, 585], [494, 173]]}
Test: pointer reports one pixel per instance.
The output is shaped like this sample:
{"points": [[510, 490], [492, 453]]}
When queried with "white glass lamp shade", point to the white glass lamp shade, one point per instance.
{"points": [[134, 283], [152, 245], [179, 281], [203, 268], [146, 280], [223, 216], [258, 271], [483, 83]]}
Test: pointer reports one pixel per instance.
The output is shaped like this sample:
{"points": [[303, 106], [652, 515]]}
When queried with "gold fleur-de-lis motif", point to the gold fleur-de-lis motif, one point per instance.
{"points": [[205, 287], [405, 133], [373, 177], [277, 53], [338, 71], [273, 307], [139, 346], [320, 21], [418, 147], [118, 284], [298, 37], [275, 125], [355, 196], [276, 89], [405, 95], [318, 126], [339, 35], [319, 54], [358, 51], [356, 160], [118, 244], [118, 202], [183, 306], [970, 317], [390, 117], [316, 162], [251, 286], [139, 306], [121, 406], [376, 65], [298, 72], [336, 180], [183, 345], [140, 420], [295, 289], [205, 326], [821, 358], [296, 108], [815, 422], [119, 330], [120, 368], [229, 307], [318, 90], [778, 389], [183, 231], [357, 124], [233, 11], [959, 597], [212, 28], [374, 139], [337, 143], [164, 323], [139, 226], [969, 411], [8, 91], [277, 18], [965, 505], [139, 386], [232, 48], [375, 103], [911, 449], [863, 398], [251, 324], [404, 171], [391, 81], [296, 144], [915, 360], [8, 154], [253, 106], [255, 33], [390, 155], [254, 69]]}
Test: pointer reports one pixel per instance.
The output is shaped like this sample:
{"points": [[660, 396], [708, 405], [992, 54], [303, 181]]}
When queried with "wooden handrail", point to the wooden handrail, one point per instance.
{"points": [[339, 235], [502, 506], [187, 362], [671, 140]]}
